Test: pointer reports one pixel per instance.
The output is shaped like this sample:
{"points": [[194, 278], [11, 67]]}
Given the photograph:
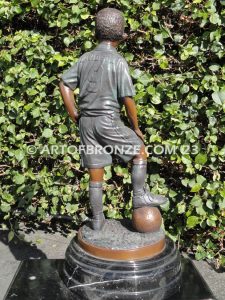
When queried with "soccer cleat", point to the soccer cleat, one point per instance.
{"points": [[146, 198]]}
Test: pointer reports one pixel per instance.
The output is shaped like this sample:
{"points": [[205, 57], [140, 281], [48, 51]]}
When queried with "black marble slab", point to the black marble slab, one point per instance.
{"points": [[41, 280]]}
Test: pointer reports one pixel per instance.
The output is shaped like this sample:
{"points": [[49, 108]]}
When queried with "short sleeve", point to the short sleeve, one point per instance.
{"points": [[70, 77], [125, 87]]}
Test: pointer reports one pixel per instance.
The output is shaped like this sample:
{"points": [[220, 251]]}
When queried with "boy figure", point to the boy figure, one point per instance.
{"points": [[105, 85]]}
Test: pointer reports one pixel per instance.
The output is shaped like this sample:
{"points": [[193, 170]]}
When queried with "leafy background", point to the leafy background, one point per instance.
{"points": [[176, 53]]}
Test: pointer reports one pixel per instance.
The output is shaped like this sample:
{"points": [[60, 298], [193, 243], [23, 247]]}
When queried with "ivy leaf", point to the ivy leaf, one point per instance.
{"points": [[219, 97], [201, 158], [156, 99], [5, 207], [181, 206], [163, 62], [11, 236], [196, 201], [134, 24], [156, 6], [19, 154], [159, 38], [129, 56], [34, 3], [214, 68], [63, 128], [192, 221], [87, 45], [186, 160], [209, 204], [200, 211], [200, 179], [66, 41], [222, 203], [11, 128], [85, 16], [222, 257], [215, 19], [184, 89], [35, 112], [196, 188], [107, 173], [19, 179], [47, 133]]}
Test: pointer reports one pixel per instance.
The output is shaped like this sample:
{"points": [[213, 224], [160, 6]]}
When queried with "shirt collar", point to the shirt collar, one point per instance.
{"points": [[105, 46]]}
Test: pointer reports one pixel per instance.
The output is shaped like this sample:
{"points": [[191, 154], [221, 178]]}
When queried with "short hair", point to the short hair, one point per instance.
{"points": [[109, 25]]}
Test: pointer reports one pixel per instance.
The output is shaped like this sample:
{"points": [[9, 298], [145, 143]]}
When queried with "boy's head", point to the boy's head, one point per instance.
{"points": [[109, 25]]}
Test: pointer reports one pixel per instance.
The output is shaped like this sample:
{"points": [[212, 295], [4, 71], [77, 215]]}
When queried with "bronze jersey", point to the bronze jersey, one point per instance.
{"points": [[102, 75]]}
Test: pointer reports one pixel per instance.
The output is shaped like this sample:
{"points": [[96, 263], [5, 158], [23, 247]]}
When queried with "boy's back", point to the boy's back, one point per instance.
{"points": [[103, 78]]}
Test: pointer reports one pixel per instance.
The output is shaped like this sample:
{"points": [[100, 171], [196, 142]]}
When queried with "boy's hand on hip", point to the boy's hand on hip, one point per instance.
{"points": [[76, 117]]}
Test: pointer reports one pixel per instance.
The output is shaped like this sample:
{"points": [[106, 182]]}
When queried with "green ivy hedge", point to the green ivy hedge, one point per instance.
{"points": [[175, 50]]}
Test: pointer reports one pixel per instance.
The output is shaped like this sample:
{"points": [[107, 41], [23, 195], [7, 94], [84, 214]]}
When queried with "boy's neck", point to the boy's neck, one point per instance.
{"points": [[112, 43]]}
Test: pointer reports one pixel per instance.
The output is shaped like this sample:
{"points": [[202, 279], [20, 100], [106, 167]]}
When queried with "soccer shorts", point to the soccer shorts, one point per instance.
{"points": [[104, 136]]}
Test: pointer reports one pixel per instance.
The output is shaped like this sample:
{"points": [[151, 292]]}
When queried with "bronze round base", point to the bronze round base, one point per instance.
{"points": [[118, 241]]}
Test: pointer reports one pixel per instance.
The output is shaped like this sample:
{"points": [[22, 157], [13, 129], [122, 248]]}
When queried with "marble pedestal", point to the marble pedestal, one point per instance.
{"points": [[120, 263], [116, 263]]}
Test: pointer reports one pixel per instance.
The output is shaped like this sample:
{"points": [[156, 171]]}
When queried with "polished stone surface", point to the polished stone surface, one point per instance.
{"points": [[119, 234], [40, 279], [96, 278]]}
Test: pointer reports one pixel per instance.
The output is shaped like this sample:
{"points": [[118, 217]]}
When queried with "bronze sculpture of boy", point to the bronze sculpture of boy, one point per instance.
{"points": [[102, 76]]}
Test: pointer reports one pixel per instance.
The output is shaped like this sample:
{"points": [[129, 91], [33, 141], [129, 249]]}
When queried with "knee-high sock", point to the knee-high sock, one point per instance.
{"points": [[138, 175], [95, 197]]}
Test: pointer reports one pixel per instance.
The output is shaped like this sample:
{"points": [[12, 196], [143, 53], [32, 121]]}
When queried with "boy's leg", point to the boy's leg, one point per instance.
{"points": [[95, 196], [141, 194], [112, 131], [94, 159], [96, 174]]}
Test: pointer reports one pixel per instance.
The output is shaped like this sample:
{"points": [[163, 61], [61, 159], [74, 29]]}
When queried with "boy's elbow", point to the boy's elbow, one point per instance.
{"points": [[64, 86], [61, 84], [128, 101]]}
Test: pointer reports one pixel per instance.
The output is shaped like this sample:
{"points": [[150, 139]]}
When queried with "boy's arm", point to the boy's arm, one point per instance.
{"points": [[69, 101], [124, 88], [131, 111]]}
